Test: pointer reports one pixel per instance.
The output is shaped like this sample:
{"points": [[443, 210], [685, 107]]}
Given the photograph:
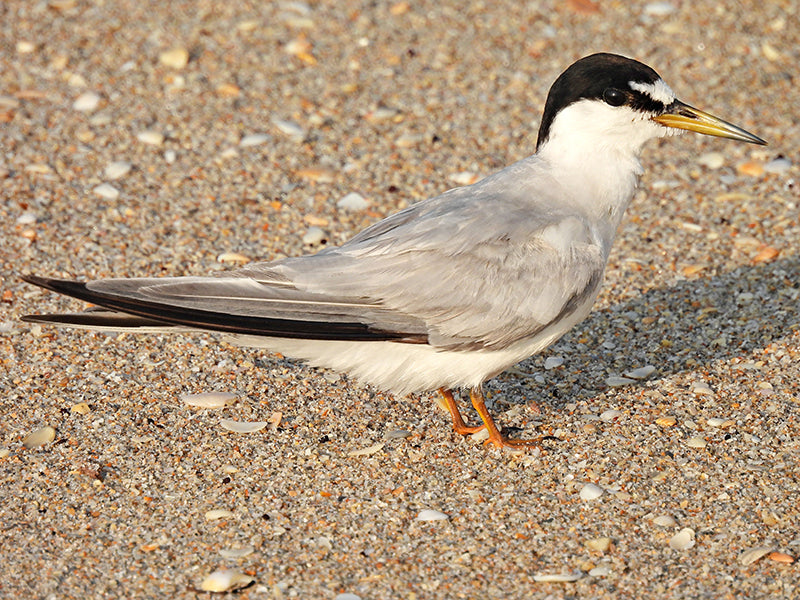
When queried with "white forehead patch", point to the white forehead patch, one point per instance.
{"points": [[658, 91]]}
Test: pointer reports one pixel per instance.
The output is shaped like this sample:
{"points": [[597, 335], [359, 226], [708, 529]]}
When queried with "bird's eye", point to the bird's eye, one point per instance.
{"points": [[614, 97]]}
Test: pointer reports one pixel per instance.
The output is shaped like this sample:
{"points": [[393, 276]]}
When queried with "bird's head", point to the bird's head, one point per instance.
{"points": [[606, 101]]}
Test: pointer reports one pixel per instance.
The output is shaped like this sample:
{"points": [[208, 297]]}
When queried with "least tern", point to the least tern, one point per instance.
{"points": [[452, 290]]}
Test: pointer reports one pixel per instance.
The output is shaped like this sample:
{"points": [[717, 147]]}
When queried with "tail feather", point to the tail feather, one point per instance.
{"points": [[124, 312]]}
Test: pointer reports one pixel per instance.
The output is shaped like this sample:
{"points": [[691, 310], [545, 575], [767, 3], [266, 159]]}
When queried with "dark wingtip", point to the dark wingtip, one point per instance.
{"points": [[76, 289]]}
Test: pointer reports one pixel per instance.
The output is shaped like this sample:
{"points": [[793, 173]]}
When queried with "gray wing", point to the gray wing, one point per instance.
{"points": [[481, 266]]}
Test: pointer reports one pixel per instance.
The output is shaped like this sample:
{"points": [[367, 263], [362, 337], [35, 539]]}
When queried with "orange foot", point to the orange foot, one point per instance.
{"points": [[495, 437]]}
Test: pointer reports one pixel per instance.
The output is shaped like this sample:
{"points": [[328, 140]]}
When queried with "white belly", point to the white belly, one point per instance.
{"points": [[406, 368]]}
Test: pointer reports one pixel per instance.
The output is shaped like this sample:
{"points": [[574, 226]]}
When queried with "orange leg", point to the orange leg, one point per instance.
{"points": [[458, 423], [495, 437]]}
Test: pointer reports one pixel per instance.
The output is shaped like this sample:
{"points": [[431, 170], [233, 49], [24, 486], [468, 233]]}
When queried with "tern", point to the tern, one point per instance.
{"points": [[453, 290]]}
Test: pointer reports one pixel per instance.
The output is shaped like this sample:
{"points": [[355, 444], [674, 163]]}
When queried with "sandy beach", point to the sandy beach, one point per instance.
{"points": [[177, 138]]}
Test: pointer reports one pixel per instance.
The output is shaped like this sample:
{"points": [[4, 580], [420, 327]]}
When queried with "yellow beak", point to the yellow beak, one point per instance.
{"points": [[683, 116]]}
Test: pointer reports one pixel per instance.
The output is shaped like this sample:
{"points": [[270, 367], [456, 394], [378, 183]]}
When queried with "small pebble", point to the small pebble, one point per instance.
{"points": [[249, 25], [25, 47], [117, 169], [40, 437], [696, 442], [301, 48], [408, 140], [666, 421], [558, 577], [254, 139], [683, 540], [600, 571], [600, 544], [353, 201], [432, 515], [659, 9], [346, 596], [464, 178], [770, 53], [317, 174], [242, 426], [720, 423], [766, 254], [369, 450], [26, 218], [107, 191], [208, 399], [177, 58], [752, 168], [218, 513], [641, 372], [480, 436], [748, 557], [290, 128], [86, 102], [233, 257], [778, 165], [552, 362], [81, 408], [4, 452], [236, 552], [225, 580], [275, 420], [590, 491], [382, 114], [701, 388], [315, 236], [170, 156], [610, 415], [712, 160], [665, 521], [615, 381], [781, 557], [152, 138], [397, 434]]}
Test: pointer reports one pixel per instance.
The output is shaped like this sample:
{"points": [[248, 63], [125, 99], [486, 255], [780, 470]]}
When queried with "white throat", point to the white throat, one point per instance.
{"points": [[593, 150]]}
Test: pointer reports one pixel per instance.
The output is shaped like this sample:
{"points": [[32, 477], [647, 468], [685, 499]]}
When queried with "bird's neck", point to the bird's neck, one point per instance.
{"points": [[599, 181]]}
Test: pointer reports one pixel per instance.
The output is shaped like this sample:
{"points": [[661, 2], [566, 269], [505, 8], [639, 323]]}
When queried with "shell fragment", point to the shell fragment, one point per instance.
{"points": [[225, 580], [243, 427], [40, 437]]}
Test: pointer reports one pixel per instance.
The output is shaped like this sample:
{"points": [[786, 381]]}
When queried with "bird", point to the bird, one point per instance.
{"points": [[453, 290]]}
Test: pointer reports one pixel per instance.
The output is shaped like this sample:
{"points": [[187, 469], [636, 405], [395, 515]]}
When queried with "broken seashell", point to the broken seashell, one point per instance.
{"points": [[225, 580], [208, 399], [236, 552], [591, 491], [600, 544], [665, 521], [40, 437], [558, 578], [368, 450], [748, 557], [432, 515], [683, 540], [243, 427], [218, 513]]}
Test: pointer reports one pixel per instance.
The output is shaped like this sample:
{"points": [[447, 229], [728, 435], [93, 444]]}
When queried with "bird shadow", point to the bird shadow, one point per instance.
{"points": [[690, 326]]}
